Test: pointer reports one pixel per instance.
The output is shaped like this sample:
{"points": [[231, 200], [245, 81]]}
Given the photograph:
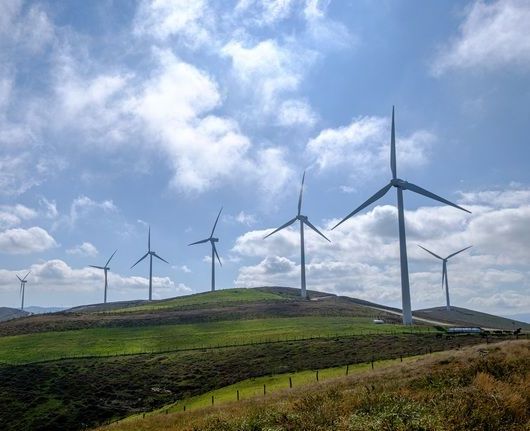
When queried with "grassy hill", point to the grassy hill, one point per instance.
{"points": [[465, 317], [7, 313], [96, 363], [480, 388]]}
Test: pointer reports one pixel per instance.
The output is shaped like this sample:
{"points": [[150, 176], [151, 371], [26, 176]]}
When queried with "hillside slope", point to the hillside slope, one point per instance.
{"points": [[465, 317], [478, 388], [7, 313]]}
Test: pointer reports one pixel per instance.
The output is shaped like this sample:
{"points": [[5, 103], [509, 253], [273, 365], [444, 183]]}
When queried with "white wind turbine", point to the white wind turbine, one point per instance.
{"points": [[105, 269], [150, 254], [400, 185], [444, 271], [303, 220], [23, 282], [212, 241]]}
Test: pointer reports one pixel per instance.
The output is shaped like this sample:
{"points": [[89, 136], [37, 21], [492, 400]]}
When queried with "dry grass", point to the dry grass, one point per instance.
{"points": [[484, 387]]}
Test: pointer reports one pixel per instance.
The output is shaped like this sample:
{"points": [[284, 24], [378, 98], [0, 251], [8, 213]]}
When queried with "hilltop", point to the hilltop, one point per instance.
{"points": [[7, 313], [465, 317]]}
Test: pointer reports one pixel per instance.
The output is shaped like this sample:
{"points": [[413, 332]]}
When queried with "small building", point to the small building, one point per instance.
{"points": [[378, 321]]}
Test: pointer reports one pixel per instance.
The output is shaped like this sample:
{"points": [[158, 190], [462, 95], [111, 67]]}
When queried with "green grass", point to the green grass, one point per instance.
{"points": [[115, 341], [199, 300], [251, 388]]}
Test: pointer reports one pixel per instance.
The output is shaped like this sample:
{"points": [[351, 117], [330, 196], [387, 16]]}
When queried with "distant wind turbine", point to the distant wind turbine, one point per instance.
{"points": [[105, 268], [303, 220], [212, 241], [400, 185], [23, 282], [444, 271], [150, 254]]}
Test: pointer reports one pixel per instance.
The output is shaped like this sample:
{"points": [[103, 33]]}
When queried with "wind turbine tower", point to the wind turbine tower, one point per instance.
{"points": [[212, 241], [150, 254], [105, 269], [23, 282], [444, 271], [400, 186], [303, 220]]}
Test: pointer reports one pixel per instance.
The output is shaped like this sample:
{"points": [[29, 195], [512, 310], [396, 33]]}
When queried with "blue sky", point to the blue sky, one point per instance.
{"points": [[116, 115]]}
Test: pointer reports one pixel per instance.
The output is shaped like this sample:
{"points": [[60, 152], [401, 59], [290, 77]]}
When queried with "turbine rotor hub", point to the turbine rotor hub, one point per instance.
{"points": [[302, 217], [214, 239], [397, 182]]}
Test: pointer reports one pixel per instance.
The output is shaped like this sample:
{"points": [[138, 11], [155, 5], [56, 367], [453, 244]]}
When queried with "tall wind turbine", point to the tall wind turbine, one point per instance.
{"points": [[105, 268], [444, 271], [212, 241], [150, 254], [23, 282], [400, 185], [303, 220]]}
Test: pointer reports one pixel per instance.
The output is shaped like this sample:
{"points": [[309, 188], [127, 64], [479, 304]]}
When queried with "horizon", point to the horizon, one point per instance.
{"points": [[118, 116]]}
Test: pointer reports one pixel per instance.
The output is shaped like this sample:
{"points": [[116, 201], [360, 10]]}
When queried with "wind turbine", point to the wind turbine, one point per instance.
{"points": [[444, 271], [105, 269], [23, 282], [212, 241], [150, 254], [400, 185], [303, 220]]}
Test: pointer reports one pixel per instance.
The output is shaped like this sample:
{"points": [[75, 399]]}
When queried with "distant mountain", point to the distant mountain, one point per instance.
{"points": [[42, 310], [465, 317], [523, 317], [7, 313]]}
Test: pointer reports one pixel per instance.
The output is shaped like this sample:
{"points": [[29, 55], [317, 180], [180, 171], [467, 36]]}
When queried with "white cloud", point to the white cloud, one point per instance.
{"points": [[493, 35], [292, 112], [82, 206], [84, 249], [189, 21], [363, 258], [364, 144], [185, 269], [14, 215], [57, 276], [25, 241]]}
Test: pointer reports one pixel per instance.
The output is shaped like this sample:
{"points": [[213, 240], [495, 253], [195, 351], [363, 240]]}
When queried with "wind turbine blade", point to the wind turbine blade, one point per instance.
{"points": [[149, 240], [289, 223], [393, 148], [139, 260], [19, 278], [300, 197], [444, 268], [26, 275], [110, 258], [428, 251], [217, 254], [308, 223], [98, 267], [371, 200], [459, 251], [163, 260], [419, 190], [216, 220], [202, 241]]}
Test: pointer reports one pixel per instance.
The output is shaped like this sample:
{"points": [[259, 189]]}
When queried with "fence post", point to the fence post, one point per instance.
{"points": [[347, 369], [317, 375], [372, 362], [184, 407], [212, 400], [238, 394], [401, 358], [264, 390], [290, 383]]}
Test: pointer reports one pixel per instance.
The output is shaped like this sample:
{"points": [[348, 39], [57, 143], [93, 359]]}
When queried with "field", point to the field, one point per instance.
{"points": [[83, 367], [118, 341], [482, 388]]}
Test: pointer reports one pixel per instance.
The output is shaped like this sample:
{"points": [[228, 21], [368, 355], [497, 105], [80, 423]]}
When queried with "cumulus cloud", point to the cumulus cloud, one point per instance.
{"points": [[14, 215], [26, 241], [84, 249], [83, 206], [364, 143], [57, 276], [363, 258], [492, 35]]}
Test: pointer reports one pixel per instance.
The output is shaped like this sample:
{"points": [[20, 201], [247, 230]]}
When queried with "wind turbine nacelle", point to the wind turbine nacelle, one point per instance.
{"points": [[214, 239], [396, 182], [302, 217]]}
